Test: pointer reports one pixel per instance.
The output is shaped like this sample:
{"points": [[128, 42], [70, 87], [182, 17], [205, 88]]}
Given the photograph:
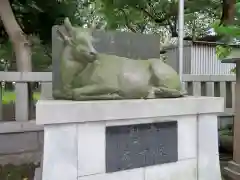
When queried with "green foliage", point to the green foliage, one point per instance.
{"points": [[141, 15], [9, 97], [125, 13], [12, 172], [41, 58], [223, 51], [230, 30], [230, 34], [5, 55], [36, 17]]}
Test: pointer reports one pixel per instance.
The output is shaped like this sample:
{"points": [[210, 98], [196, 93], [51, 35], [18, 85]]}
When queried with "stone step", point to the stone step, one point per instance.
{"points": [[234, 166], [232, 174]]}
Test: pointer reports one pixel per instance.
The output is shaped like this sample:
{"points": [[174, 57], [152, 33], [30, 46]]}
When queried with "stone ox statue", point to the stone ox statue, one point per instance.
{"points": [[89, 75]]}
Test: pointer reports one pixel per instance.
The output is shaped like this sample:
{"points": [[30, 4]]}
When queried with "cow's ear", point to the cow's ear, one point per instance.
{"points": [[63, 36]]}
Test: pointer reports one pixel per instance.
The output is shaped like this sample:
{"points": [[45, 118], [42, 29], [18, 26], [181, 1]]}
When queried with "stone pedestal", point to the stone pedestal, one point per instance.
{"points": [[157, 139], [233, 168]]}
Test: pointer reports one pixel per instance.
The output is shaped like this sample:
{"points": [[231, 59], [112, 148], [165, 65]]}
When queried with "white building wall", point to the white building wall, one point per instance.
{"points": [[204, 61], [172, 59]]}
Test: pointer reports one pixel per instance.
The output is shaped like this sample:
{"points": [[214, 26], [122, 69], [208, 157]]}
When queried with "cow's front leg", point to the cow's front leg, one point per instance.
{"points": [[64, 93], [163, 92], [92, 90]]}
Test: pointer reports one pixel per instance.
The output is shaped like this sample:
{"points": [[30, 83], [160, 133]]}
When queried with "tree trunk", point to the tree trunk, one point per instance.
{"points": [[19, 40], [20, 43], [228, 12]]}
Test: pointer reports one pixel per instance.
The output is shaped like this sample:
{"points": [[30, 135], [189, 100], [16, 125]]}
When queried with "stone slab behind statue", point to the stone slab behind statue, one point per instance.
{"points": [[125, 44]]}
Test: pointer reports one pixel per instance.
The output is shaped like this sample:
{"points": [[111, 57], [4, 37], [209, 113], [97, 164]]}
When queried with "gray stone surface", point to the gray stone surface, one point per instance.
{"points": [[21, 158], [41, 139], [19, 148], [127, 44], [18, 142], [134, 146], [57, 47], [37, 174], [197, 144]]}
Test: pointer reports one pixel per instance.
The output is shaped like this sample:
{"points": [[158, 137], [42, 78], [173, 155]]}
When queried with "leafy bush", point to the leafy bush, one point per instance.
{"points": [[230, 33]]}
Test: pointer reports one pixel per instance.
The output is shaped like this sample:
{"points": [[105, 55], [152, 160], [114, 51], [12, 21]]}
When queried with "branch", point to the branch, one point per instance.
{"points": [[127, 21], [141, 27], [161, 20], [173, 28], [49, 54], [155, 19]]}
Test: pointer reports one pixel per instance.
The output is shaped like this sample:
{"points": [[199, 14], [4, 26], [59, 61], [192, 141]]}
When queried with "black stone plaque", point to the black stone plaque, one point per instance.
{"points": [[141, 145]]}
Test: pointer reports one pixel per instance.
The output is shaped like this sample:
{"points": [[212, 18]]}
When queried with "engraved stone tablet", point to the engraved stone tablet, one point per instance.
{"points": [[141, 145]]}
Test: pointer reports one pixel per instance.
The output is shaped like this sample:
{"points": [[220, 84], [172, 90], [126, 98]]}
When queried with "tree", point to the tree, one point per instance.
{"points": [[35, 18], [140, 15], [19, 25], [228, 12], [228, 26], [19, 40]]}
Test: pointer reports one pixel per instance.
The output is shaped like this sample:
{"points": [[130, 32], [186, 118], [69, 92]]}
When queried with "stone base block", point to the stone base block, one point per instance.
{"points": [[131, 139]]}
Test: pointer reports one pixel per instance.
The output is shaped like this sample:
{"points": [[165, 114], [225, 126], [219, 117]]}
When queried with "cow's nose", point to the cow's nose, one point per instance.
{"points": [[92, 53]]}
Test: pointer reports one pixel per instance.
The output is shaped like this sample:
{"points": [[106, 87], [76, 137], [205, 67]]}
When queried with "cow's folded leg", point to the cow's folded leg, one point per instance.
{"points": [[168, 93], [58, 94], [98, 97], [94, 91], [163, 92]]}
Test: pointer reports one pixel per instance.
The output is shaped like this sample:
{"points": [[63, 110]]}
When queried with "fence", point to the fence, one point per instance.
{"points": [[22, 110], [215, 86], [200, 58], [197, 85]]}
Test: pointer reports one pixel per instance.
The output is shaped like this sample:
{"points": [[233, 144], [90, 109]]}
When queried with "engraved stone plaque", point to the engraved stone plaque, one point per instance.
{"points": [[140, 145]]}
